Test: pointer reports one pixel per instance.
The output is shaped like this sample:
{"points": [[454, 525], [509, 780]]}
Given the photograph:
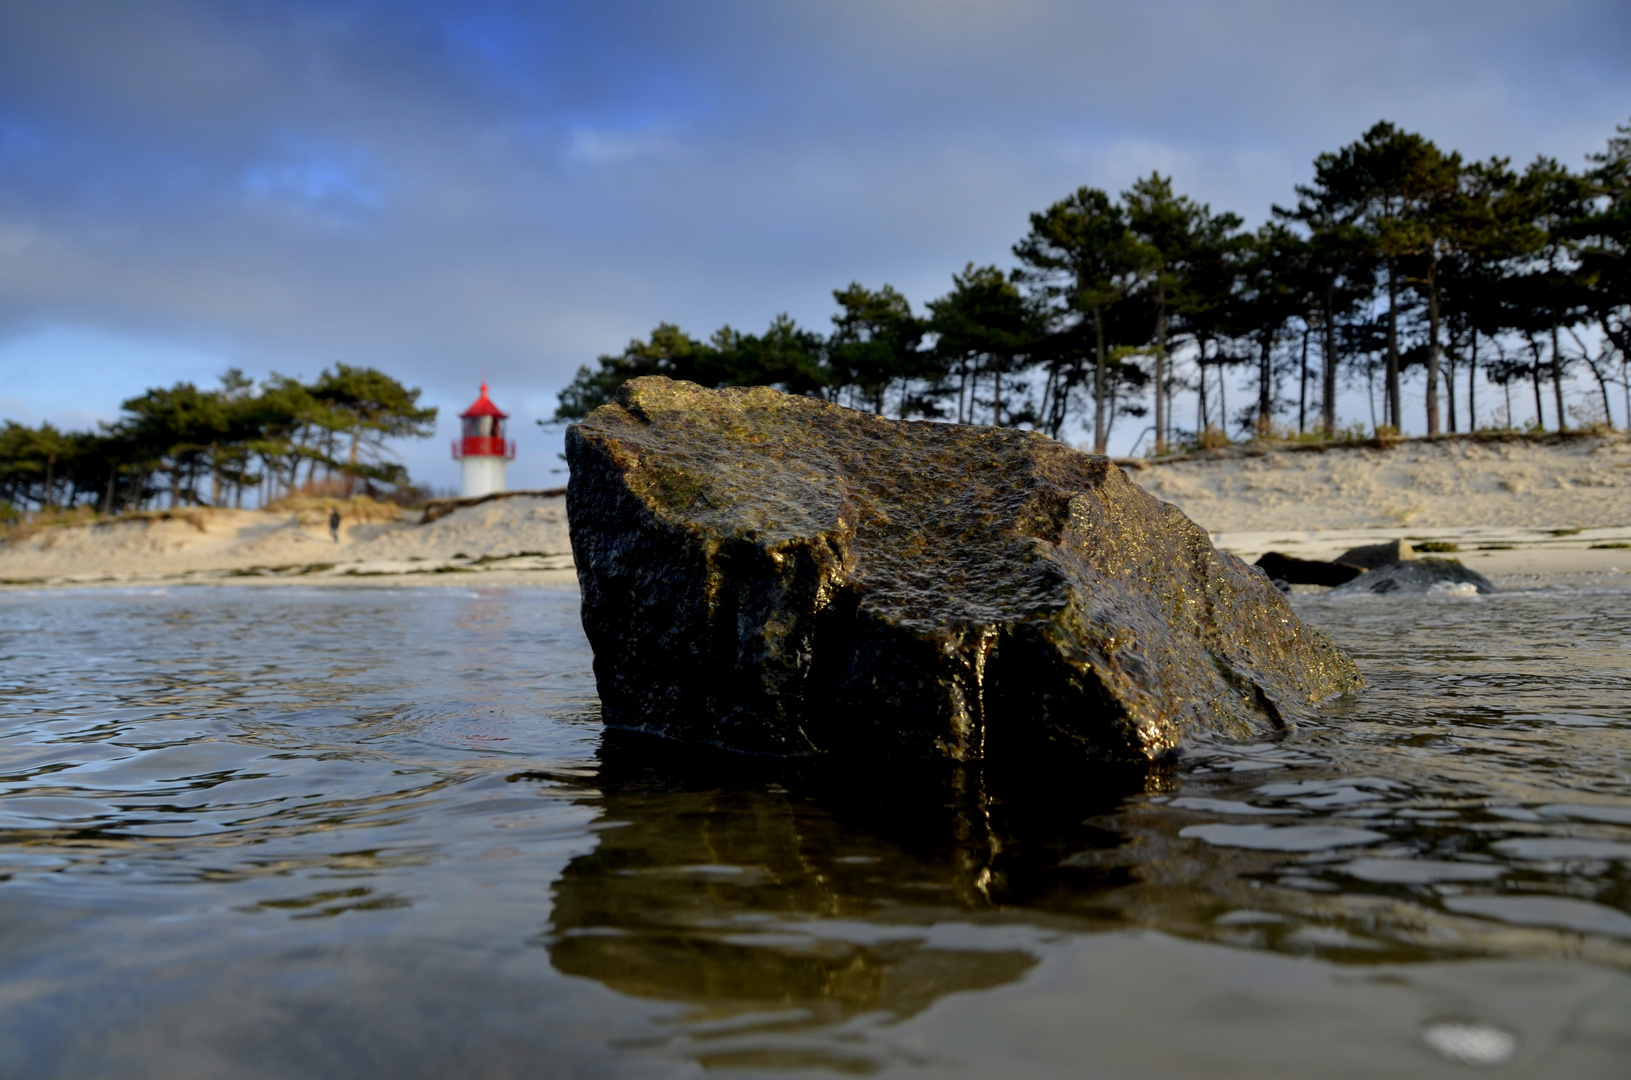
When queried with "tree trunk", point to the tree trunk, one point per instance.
{"points": [[1265, 384], [1170, 381], [1160, 367], [1202, 413], [1602, 386], [1061, 402], [1045, 418], [1557, 378], [351, 461], [1101, 436], [1534, 374], [1110, 414], [1432, 345], [1329, 409], [1597, 373], [1449, 381], [1449, 390], [1302, 385], [1391, 382], [1621, 340], [215, 475], [1472, 383]]}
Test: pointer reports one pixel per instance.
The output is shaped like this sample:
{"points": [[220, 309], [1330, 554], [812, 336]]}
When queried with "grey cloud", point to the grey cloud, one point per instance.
{"points": [[438, 189]]}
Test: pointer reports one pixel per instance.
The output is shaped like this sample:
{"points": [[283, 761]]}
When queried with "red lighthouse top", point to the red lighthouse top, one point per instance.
{"points": [[484, 407], [483, 425]]}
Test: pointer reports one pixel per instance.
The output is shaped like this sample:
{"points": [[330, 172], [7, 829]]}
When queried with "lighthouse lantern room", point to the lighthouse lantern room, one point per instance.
{"points": [[482, 449]]}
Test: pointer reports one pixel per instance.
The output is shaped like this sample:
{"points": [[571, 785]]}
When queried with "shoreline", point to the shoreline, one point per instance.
{"points": [[1517, 509], [370, 580], [1512, 558], [516, 540]]}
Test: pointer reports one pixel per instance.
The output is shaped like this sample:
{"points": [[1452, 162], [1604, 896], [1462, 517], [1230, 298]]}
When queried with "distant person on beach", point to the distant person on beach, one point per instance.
{"points": [[334, 524]]}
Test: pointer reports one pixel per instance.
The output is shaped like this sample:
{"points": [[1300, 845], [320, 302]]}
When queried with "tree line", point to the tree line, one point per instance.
{"points": [[207, 447], [1397, 260]]}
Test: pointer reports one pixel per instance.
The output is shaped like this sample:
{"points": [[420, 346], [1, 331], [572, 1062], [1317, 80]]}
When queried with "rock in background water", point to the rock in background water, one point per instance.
{"points": [[775, 573], [1415, 576], [1294, 571], [1372, 556]]}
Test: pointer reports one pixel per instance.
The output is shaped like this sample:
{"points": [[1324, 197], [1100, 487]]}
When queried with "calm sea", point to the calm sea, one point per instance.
{"points": [[379, 833]]}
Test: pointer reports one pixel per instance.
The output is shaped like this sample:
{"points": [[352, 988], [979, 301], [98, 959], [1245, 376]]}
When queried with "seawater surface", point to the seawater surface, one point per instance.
{"points": [[257, 832]]}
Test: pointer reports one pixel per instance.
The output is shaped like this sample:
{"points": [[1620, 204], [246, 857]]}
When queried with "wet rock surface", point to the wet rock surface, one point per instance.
{"points": [[1419, 575], [774, 573]]}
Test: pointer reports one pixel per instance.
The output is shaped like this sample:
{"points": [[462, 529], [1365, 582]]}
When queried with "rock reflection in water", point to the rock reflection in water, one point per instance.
{"points": [[740, 885]]}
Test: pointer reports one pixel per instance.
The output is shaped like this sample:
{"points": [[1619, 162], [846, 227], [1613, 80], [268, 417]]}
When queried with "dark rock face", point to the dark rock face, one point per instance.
{"points": [[773, 573], [1415, 577], [1295, 571]]}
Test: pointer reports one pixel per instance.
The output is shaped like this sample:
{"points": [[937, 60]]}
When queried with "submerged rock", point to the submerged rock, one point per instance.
{"points": [[775, 573], [1295, 571], [1425, 574]]}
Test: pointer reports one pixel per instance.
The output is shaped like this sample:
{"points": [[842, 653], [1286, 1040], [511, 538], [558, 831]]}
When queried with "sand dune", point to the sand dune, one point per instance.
{"points": [[1520, 510], [521, 538], [1578, 482]]}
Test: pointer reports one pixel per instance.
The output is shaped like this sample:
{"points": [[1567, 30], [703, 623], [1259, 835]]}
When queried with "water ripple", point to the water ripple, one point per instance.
{"points": [[389, 818]]}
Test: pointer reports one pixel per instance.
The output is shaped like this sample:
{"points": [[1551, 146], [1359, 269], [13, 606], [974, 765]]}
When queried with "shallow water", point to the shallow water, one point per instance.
{"points": [[280, 833]]}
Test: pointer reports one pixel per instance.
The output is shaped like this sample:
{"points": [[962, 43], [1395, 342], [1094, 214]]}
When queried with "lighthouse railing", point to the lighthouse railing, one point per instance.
{"points": [[483, 446]]}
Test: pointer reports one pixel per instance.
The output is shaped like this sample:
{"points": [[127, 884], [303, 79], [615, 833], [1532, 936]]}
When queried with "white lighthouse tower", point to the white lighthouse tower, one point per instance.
{"points": [[483, 450]]}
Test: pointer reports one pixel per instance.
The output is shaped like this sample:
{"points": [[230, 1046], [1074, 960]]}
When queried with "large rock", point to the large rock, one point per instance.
{"points": [[775, 573]]}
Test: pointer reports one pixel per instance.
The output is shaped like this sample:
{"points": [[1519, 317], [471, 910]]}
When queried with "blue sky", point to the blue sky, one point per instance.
{"points": [[447, 190]]}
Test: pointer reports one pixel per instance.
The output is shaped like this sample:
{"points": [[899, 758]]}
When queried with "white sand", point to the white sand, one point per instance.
{"points": [[1508, 506]]}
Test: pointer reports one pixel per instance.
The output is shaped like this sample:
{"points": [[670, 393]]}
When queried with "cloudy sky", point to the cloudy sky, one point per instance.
{"points": [[447, 190]]}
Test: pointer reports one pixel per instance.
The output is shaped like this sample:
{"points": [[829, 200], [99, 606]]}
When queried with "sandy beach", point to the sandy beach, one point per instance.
{"points": [[1520, 511], [504, 541], [1517, 510]]}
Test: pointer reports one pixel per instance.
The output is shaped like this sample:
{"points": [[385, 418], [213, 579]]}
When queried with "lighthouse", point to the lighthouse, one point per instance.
{"points": [[482, 450]]}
